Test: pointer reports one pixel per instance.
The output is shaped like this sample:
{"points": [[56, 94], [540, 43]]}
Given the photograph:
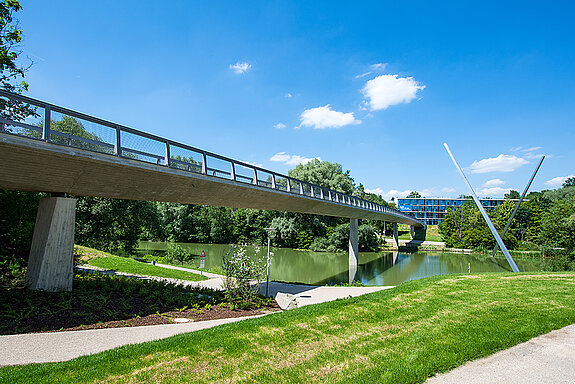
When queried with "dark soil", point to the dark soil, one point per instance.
{"points": [[193, 315], [99, 301]]}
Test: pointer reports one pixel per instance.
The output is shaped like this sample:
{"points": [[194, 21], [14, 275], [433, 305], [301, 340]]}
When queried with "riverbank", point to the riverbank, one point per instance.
{"points": [[405, 334]]}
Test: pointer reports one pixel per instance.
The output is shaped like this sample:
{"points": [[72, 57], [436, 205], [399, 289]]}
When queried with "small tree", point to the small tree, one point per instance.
{"points": [[243, 277]]}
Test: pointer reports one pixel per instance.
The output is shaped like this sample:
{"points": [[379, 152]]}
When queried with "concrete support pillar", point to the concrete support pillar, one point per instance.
{"points": [[395, 236], [411, 232], [352, 273], [353, 241], [51, 262]]}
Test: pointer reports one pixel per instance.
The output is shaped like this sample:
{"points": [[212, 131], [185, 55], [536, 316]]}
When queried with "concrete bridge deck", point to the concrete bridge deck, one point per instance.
{"points": [[35, 165], [58, 150]]}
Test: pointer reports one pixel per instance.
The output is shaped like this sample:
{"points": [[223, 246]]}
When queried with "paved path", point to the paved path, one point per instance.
{"points": [[548, 358], [61, 346]]}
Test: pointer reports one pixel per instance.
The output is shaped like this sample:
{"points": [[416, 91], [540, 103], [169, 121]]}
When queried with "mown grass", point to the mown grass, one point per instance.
{"points": [[431, 234], [402, 335], [193, 264], [129, 265]]}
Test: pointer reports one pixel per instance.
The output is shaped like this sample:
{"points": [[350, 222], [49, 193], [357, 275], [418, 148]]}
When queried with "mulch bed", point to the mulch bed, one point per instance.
{"points": [[217, 312]]}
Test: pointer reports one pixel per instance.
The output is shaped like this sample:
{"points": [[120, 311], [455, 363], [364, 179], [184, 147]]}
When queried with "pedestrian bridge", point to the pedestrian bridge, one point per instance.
{"points": [[88, 156], [62, 151]]}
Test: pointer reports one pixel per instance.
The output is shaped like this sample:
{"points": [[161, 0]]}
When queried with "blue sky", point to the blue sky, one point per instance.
{"points": [[375, 86]]}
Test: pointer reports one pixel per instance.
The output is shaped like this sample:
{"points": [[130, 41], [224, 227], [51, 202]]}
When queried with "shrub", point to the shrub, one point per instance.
{"points": [[176, 253], [243, 277], [319, 244], [559, 260]]}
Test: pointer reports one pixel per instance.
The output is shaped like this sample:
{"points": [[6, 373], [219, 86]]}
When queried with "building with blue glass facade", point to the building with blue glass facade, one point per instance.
{"points": [[433, 210]]}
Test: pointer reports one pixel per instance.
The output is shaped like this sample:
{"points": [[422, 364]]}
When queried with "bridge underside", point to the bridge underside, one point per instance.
{"points": [[29, 165]]}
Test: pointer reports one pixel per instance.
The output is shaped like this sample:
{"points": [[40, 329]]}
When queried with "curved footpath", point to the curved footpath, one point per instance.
{"points": [[61, 346], [548, 358]]}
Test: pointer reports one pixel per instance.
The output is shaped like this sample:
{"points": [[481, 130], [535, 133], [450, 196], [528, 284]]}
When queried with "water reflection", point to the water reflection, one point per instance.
{"points": [[375, 268]]}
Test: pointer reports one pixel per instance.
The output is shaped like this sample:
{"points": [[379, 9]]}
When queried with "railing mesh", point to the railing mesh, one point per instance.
{"points": [[27, 117]]}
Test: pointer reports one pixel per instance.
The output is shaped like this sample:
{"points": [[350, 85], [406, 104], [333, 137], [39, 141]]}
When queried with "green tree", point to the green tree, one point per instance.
{"points": [[11, 72], [414, 194], [113, 224], [17, 217], [570, 182], [325, 174], [285, 231], [512, 194]]}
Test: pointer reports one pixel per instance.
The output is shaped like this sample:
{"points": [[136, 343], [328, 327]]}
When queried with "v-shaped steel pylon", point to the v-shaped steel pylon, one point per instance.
{"points": [[484, 214], [517, 205]]}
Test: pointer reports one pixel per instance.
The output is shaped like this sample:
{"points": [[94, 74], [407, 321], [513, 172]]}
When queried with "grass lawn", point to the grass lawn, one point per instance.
{"points": [[194, 264], [129, 265], [432, 233], [402, 335]]}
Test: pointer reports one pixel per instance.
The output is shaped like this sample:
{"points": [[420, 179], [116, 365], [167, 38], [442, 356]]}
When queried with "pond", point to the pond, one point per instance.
{"points": [[375, 268]]}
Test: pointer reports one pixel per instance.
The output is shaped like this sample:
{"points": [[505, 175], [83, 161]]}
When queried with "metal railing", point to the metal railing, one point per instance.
{"points": [[98, 135]]}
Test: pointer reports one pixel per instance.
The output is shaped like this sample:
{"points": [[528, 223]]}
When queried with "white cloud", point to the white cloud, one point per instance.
{"points": [[387, 195], [240, 67], [387, 90], [362, 75], [280, 126], [557, 181], [288, 95], [291, 159], [532, 149], [325, 117], [535, 155], [493, 191], [378, 67], [494, 183], [501, 163]]}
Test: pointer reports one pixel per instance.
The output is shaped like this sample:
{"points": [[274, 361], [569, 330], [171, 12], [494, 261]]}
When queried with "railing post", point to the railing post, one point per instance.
{"points": [[233, 171], [255, 181], [47, 121], [321, 194], [288, 184], [167, 155], [118, 143], [273, 181], [311, 190], [300, 188], [204, 165]]}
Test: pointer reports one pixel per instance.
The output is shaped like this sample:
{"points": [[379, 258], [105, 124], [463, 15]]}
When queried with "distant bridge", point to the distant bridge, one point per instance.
{"points": [[51, 152]]}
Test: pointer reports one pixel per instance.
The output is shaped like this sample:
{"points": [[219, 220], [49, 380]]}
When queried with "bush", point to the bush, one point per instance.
{"points": [[367, 238], [319, 244], [559, 260], [243, 277], [177, 254]]}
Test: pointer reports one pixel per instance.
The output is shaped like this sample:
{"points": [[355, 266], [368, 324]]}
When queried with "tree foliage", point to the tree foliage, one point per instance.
{"points": [[325, 174], [11, 72]]}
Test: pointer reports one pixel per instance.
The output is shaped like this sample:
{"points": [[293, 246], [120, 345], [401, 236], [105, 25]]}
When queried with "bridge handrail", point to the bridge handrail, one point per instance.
{"points": [[303, 188]]}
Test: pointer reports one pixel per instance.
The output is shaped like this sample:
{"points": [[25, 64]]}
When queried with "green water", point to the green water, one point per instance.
{"points": [[375, 268]]}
